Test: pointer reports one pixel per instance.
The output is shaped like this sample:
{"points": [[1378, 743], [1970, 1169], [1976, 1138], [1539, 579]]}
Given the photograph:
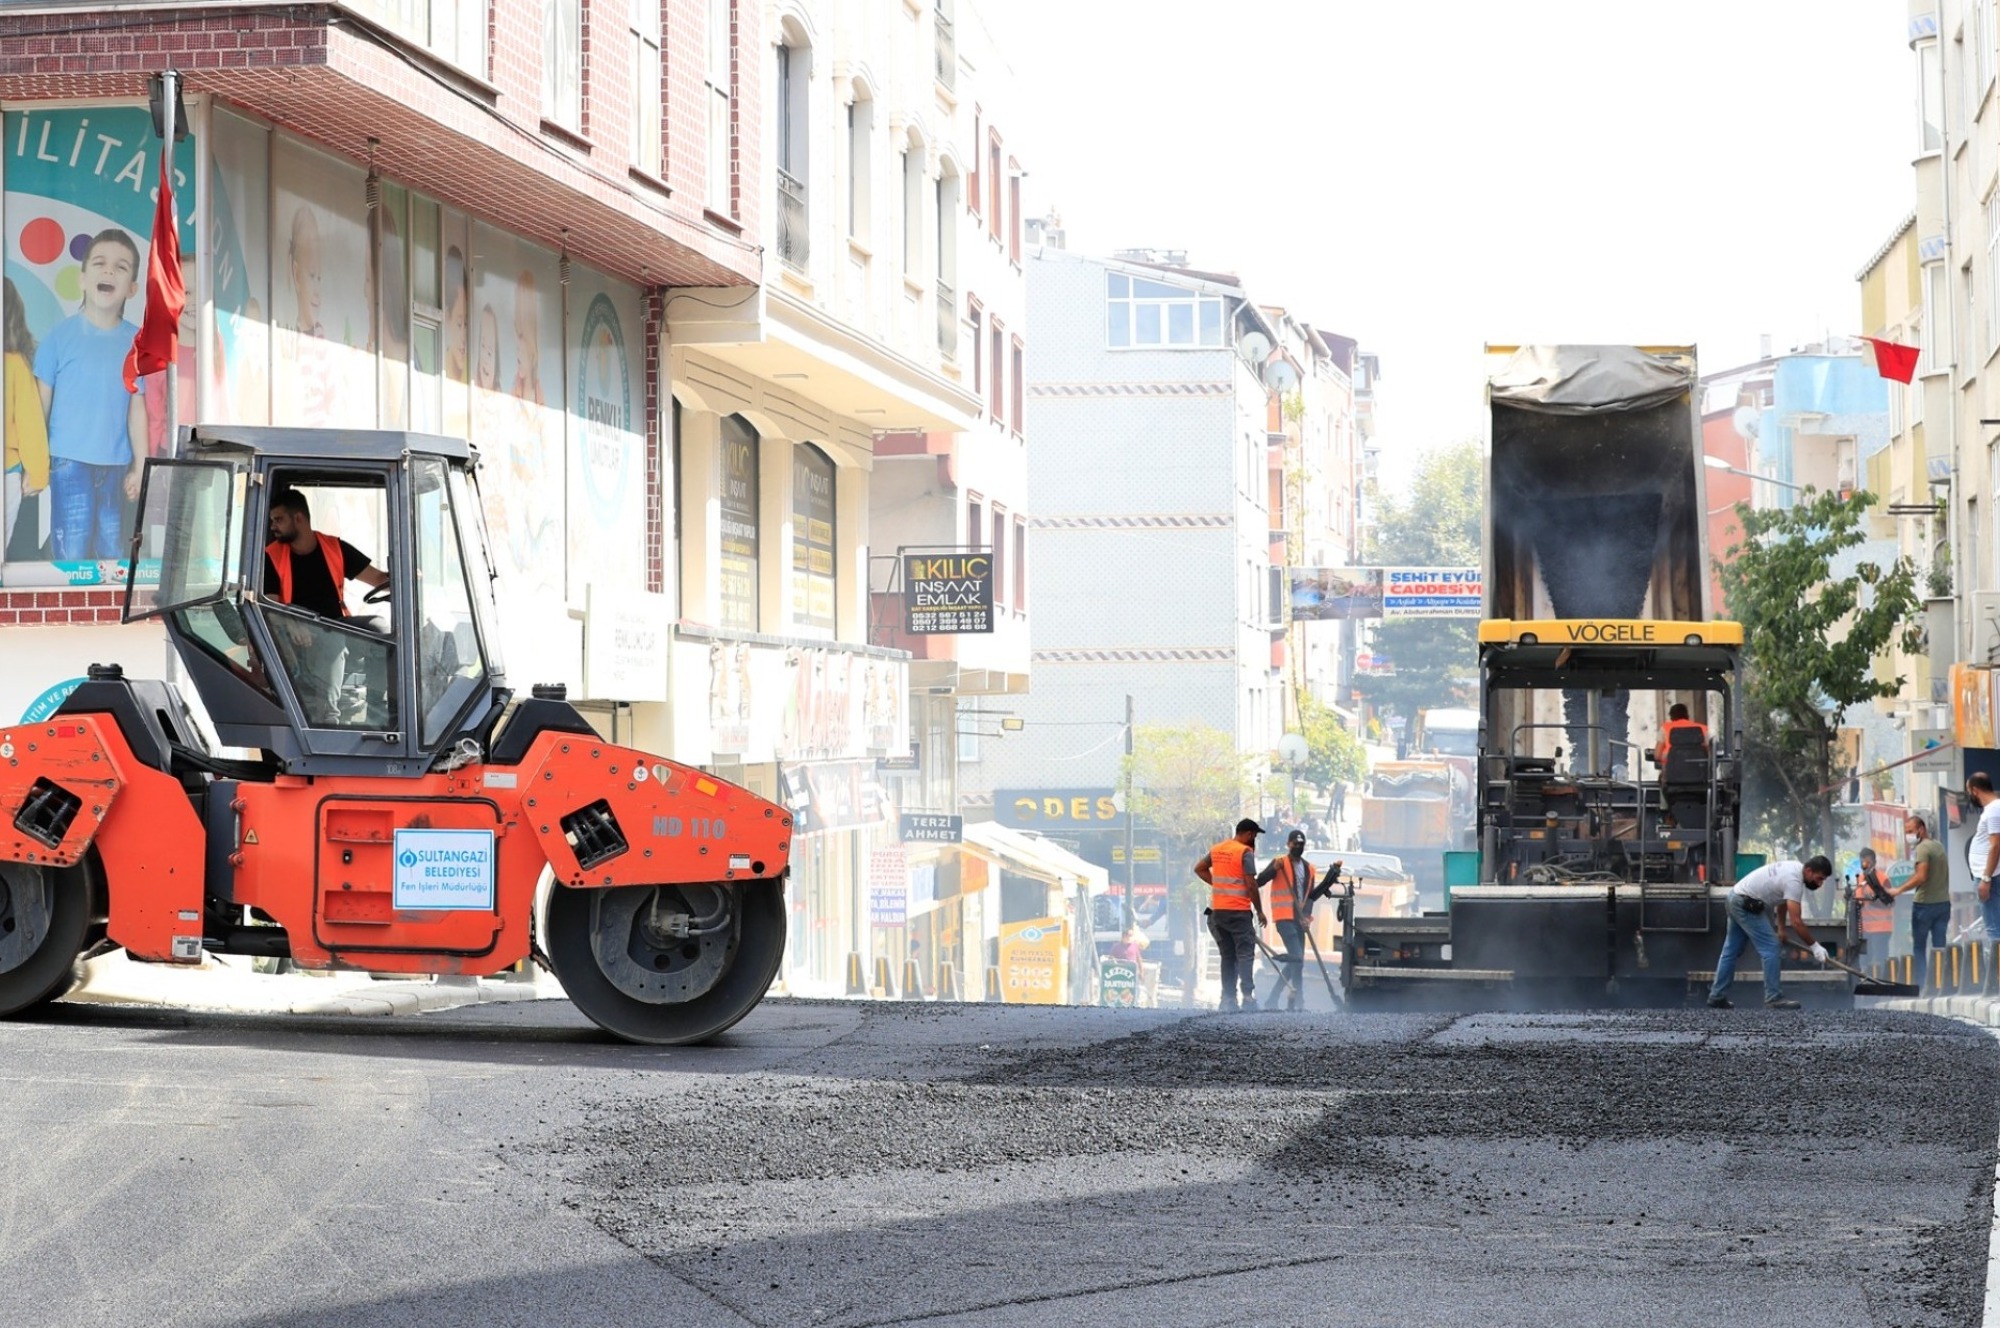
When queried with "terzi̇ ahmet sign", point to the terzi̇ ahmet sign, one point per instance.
{"points": [[947, 594]]}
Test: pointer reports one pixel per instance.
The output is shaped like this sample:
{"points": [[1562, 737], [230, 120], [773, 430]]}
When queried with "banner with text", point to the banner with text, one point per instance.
{"points": [[947, 594], [1322, 594]]}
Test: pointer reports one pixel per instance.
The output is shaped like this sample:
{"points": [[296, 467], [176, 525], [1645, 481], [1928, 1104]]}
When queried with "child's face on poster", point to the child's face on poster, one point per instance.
{"points": [[110, 277]]}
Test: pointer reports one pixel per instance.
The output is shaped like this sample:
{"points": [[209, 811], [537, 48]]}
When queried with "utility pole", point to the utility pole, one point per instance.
{"points": [[1130, 915]]}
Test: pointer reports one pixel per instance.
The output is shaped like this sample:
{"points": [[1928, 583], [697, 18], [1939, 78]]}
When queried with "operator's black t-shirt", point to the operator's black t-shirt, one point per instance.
{"points": [[312, 585]]}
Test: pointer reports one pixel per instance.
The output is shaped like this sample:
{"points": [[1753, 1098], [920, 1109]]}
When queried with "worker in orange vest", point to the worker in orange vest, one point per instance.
{"points": [[1677, 718], [1874, 905], [1290, 879], [1230, 875], [308, 570]]}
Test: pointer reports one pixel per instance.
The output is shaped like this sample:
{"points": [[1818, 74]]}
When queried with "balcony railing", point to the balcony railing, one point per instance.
{"points": [[947, 52], [947, 310], [793, 230]]}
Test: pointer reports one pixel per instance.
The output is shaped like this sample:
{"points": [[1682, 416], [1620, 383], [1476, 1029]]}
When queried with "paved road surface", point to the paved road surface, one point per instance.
{"points": [[966, 1165]]}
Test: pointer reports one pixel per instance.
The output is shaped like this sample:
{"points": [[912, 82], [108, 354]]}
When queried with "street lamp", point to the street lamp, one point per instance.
{"points": [[1717, 463]]}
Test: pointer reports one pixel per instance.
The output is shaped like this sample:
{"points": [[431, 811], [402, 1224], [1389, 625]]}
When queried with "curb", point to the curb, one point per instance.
{"points": [[231, 986]]}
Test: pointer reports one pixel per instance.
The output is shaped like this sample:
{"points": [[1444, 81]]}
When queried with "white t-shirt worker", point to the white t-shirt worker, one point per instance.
{"points": [[1764, 906]]}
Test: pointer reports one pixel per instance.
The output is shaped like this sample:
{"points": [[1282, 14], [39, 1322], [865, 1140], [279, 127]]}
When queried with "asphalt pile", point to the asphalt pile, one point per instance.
{"points": [[971, 1164]]}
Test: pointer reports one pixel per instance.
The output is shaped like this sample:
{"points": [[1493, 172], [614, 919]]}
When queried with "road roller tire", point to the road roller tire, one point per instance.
{"points": [[623, 998], [44, 918]]}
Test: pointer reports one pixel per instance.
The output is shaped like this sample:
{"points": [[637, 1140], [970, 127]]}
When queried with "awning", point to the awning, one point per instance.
{"points": [[1028, 855]]}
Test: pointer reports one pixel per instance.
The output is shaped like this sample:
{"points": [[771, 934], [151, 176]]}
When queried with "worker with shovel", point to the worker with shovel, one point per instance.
{"points": [[1290, 879], [1762, 907]]}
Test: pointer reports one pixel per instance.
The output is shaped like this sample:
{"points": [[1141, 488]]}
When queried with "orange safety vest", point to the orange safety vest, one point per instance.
{"points": [[1230, 888], [1667, 733], [280, 554], [1285, 890], [1876, 919]]}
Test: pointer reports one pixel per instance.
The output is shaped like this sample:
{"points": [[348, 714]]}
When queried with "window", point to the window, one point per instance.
{"points": [[1142, 312], [1993, 269], [720, 85], [975, 522], [993, 183], [1980, 34], [741, 538], [996, 402], [1937, 320], [648, 94], [1020, 564], [562, 63], [1971, 335], [453, 30], [972, 179], [449, 670], [999, 554], [812, 538], [1014, 219], [794, 80], [860, 152], [1930, 99], [913, 213], [1017, 385]]}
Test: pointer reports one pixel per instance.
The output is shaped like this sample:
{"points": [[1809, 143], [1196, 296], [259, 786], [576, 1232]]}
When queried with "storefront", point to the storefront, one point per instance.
{"points": [[323, 295]]}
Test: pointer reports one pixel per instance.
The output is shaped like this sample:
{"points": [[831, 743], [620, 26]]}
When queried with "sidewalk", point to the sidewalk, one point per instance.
{"points": [[230, 984], [1982, 1010]]}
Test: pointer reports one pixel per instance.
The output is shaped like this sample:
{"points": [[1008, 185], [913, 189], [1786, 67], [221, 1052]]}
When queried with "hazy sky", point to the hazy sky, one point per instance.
{"points": [[1428, 177]]}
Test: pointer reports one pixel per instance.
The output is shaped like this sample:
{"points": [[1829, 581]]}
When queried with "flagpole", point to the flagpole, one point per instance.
{"points": [[170, 97]]}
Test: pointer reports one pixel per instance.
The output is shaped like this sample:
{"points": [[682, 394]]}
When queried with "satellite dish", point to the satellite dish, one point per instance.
{"points": [[1255, 346], [1280, 377], [1747, 422], [1292, 749]]}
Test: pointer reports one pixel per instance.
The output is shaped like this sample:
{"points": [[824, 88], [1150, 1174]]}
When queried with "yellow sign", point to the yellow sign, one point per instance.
{"points": [[1034, 961], [1972, 705], [1608, 631]]}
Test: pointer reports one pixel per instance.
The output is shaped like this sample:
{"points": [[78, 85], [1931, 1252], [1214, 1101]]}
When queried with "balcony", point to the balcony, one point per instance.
{"points": [[793, 246], [947, 313], [947, 52]]}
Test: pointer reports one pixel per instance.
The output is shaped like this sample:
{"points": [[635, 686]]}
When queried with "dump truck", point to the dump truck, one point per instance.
{"points": [[1415, 810], [1602, 859], [377, 798]]}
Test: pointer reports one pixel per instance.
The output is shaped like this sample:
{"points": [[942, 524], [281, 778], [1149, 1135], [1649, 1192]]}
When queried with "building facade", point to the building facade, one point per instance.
{"points": [[673, 268]]}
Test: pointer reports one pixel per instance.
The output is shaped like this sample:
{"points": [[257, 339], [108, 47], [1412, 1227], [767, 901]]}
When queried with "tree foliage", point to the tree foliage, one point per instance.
{"points": [[1189, 783], [1811, 641], [1437, 524], [1333, 755]]}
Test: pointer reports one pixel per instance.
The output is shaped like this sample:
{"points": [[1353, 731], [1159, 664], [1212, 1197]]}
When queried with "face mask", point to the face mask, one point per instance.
{"points": [[1911, 840]]}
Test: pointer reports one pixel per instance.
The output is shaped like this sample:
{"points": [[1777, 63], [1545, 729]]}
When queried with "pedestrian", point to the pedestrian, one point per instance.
{"points": [[1339, 801], [1983, 854], [1129, 947], [1762, 907], [1871, 902], [1930, 881], [1291, 880], [1228, 870]]}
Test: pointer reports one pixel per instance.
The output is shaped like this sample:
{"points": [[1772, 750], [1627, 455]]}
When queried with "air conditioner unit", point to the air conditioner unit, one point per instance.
{"points": [[1984, 610]]}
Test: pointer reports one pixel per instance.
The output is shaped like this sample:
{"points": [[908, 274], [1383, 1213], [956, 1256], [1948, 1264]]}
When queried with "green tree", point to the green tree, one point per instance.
{"points": [[1333, 755], [1811, 641], [1437, 524]]}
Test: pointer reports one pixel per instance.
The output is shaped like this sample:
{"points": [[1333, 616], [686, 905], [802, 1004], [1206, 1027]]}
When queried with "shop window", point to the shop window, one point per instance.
{"points": [[562, 63], [813, 580], [740, 537]]}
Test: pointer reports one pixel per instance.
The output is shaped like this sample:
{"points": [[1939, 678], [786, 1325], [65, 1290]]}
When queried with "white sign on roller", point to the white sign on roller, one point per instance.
{"points": [[444, 869]]}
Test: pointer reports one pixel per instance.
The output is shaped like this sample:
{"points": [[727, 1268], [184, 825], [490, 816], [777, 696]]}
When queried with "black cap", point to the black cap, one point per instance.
{"points": [[1247, 824], [1819, 865], [1296, 837]]}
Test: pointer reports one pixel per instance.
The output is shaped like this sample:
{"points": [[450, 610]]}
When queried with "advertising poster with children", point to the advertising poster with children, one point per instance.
{"points": [[517, 408], [607, 411], [239, 245], [77, 217], [323, 368]]}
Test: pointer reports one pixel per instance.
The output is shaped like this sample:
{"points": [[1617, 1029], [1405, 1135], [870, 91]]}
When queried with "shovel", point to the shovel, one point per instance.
{"points": [[1868, 986]]}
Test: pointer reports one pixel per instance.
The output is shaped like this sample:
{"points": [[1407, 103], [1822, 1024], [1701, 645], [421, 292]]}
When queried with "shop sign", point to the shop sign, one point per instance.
{"points": [[947, 594], [1933, 749], [1038, 809], [1118, 983], [1034, 961], [1885, 829], [1972, 705], [932, 828], [888, 887], [1321, 594], [625, 645]]}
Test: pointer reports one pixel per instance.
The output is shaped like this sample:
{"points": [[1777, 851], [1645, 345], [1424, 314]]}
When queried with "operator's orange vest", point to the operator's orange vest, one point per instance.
{"points": [[280, 554], [1667, 734], [1230, 887], [1285, 890]]}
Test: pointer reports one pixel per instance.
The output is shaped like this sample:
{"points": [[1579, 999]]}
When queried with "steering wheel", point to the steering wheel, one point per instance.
{"points": [[378, 595]]}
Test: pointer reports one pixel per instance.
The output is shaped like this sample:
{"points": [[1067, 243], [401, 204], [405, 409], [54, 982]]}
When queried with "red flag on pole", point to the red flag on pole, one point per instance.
{"points": [[1893, 360], [157, 346]]}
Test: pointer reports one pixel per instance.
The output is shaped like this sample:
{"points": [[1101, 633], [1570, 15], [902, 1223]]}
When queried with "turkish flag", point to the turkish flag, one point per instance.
{"points": [[158, 344], [1893, 360]]}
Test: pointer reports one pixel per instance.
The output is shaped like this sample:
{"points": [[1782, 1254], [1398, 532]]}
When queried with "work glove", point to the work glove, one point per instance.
{"points": [[1818, 953]]}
